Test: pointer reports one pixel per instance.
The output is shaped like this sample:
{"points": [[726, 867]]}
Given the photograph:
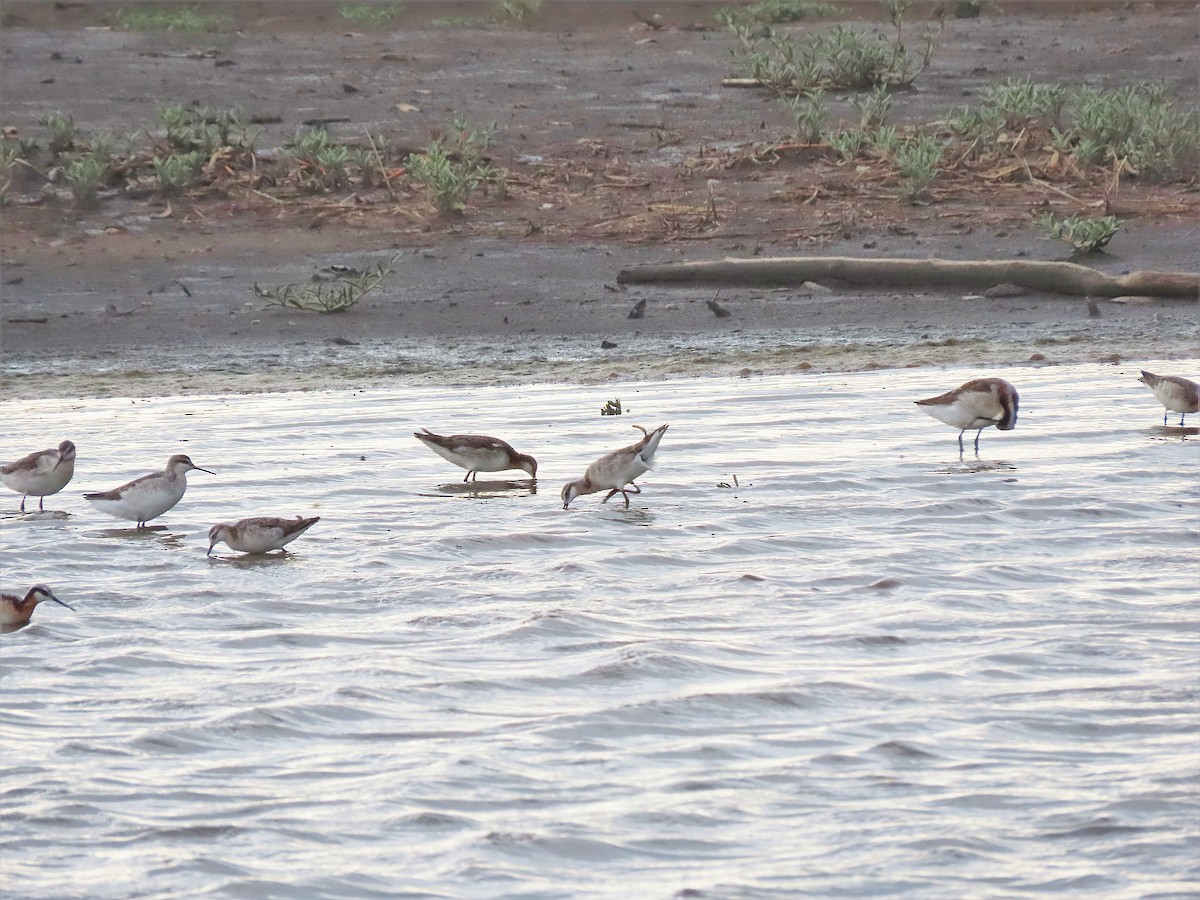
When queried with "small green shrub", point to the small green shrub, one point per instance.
{"points": [[839, 59], [479, 22], [85, 176], [1085, 235], [777, 12], [847, 144], [917, 160], [809, 112], [177, 172], [611, 408], [63, 132], [520, 11], [454, 166], [363, 14]]}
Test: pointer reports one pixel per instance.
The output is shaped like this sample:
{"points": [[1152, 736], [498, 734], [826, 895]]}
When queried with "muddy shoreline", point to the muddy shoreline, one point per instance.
{"points": [[141, 297]]}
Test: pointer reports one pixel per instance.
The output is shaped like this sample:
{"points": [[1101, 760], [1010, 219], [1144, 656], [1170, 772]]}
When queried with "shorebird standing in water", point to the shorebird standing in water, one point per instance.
{"points": [[16, 611], [149, 496], [975, 406], [617, 469], [1174, 393], [40, 474], [477, 453], [261, 534]]}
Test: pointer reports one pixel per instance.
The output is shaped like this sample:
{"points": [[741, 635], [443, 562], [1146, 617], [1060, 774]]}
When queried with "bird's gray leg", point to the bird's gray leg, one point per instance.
{"points": [[1181, 418], [977, 434], [1164, 419], [626, 496], [960, 443], [23, 496], [42, 500]]}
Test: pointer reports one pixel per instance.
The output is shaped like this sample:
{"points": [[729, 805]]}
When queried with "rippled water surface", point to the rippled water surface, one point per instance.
{"points": [[819, 655]]}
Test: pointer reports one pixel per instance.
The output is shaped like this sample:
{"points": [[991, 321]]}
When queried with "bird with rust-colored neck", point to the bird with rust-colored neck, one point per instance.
{"points": [[617, 469], [40, 474], [1176, 394], [976, 405], [16, 611], [149, 496], [260, 534], [477, 453]]}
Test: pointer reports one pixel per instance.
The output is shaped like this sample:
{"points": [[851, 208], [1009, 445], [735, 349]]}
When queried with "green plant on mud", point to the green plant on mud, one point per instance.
{"points": [[1084, 234], [63, 132], [363, 14], [809, 112], [453, 166], [177, 172], [776, 12], [520, 11], [326, 297], [838, 59], [174, 18], [917, 160], [611, 408], [85, 176], [207, 130], [322, 162]]}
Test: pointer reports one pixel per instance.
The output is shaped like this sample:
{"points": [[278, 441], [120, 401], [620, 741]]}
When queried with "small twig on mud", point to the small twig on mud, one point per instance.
{"points": [[379, 162], [268, 196], [1048, 186]]}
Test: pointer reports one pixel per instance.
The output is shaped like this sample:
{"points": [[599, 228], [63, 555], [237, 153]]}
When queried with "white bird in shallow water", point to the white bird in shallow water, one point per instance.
{"points": [[477, 453], [40, 474], [617, 469], [1174, 393], [260, 534], [975, 406], [16, 611], [149, 496]]}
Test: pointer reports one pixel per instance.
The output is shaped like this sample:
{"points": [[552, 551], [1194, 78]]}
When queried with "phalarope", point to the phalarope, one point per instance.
{"points": [[149, 496], [1176, 394], [260, 534], [617, 469], [975, 406], [40, 474], [477, 453], [16, 611]]}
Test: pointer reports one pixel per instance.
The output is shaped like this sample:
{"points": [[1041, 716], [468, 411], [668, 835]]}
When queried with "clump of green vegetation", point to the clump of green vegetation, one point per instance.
{"points": [[326, 297], [1084, 234], [63, 132], [177, 172], [1138, 126], [810, 113], [322, 162], [777, 12], [206, 131], [611, 408], [174, 18], [85, 177], [455, 165], [839, 59], [520, 11], [364, 14], [917, 160]]}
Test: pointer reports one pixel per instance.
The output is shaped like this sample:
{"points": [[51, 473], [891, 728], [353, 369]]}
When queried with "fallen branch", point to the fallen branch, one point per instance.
{"points": [[1056, 277]]}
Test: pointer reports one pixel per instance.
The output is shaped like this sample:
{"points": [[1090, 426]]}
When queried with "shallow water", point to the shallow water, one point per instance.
{"points": [[868, 669]]}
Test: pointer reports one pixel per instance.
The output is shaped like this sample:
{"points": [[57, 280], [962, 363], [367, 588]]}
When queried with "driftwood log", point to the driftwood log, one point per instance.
{"points": [[1055, 277]]}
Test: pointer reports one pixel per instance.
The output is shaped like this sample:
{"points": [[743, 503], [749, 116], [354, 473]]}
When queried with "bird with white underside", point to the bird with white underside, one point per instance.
{"points": [[147, 497], [974, 406], [477, 453], [617, 469], [260, 534], [1175, 393], [40, 474]]}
